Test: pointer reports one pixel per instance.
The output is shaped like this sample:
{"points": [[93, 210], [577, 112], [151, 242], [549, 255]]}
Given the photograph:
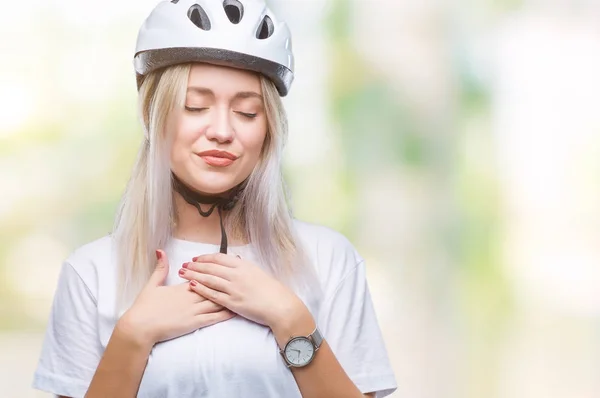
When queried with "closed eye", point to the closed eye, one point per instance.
{"points": [[187, 108], [248, 115]]}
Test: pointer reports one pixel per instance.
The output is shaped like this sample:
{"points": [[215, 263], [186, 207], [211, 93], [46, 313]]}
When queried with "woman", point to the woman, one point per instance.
{"points": [[208, 287]]}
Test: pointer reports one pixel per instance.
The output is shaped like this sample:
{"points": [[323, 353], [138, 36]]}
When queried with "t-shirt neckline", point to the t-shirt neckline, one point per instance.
{"points": [[189, 244]]}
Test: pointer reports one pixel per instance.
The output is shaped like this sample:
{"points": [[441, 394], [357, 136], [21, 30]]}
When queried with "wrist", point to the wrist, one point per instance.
{"points": [[126, 331], [296, 320]]}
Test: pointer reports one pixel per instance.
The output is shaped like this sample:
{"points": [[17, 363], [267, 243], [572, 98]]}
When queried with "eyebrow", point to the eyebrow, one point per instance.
{"points": [[238, 95]]}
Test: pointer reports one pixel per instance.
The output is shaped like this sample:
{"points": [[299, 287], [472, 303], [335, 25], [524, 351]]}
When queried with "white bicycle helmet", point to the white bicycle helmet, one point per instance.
{"points": [[238, 33]]}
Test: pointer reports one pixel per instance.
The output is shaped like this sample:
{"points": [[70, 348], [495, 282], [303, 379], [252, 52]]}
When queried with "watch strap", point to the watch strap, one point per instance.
{"points": [[317, 338]]}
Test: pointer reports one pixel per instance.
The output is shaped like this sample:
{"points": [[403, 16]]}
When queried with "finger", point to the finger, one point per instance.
{"points": [[161, 270], [210, 268], [208, 307], [205, 320], [219, 258], [198, 298], [211, 281], [183, 285], [213, 295]]}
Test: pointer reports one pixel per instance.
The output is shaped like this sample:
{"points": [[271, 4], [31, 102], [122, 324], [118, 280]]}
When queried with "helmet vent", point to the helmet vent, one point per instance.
{"points": [[198, 16], [234, 10], [265, 29]]}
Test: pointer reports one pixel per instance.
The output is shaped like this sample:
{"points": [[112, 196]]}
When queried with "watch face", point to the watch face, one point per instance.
{"points": [[299, 351]]}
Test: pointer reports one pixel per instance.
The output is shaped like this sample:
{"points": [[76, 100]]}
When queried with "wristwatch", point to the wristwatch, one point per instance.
{"points": [[300, 351]]}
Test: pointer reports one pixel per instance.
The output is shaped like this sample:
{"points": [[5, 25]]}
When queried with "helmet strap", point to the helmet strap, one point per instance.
{"points": [[221, 203]]}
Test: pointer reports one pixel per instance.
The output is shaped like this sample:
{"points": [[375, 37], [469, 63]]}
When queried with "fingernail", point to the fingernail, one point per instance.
{"points": [[195, 258], [158, 255], [193, 283], [185, 265], [181, 272]]}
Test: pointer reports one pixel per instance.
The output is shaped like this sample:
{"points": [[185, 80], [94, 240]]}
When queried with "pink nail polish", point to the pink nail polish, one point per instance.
{"points": [[181, 272], [185, 265], [195, 258], [193, 282]]}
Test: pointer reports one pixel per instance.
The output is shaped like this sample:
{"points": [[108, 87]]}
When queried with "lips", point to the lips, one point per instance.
{"points": [[218, 154], [217, 158]]}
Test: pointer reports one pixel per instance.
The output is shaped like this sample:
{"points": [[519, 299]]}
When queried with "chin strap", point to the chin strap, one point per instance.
{"points": [[222, 203]]}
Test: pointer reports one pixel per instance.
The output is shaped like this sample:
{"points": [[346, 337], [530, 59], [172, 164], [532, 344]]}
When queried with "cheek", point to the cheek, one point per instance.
{"points": [[185, 133], [188, 129], [253, 141]]}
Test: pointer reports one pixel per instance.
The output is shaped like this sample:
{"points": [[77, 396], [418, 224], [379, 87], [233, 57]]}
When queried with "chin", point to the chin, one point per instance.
{"points": [[211, 184]]}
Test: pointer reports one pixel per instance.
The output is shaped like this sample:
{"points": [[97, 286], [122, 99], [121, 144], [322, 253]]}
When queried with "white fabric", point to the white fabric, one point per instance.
{"points": [[235, 358], [168, 26]]}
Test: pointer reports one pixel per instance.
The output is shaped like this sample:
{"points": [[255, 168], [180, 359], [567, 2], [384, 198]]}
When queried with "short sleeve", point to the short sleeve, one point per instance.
{"points": [[71, 349], [349, 325]]}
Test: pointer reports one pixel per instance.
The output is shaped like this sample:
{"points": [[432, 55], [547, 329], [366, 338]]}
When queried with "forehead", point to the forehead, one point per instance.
{"points": [[223, 80]]}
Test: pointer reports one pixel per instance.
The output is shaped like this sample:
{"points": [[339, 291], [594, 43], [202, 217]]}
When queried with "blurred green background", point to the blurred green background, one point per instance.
{"points": [[455, 143]]}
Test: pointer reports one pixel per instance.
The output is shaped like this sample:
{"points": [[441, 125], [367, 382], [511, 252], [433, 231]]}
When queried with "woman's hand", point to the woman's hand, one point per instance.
{"points": [[242, 287], [161, 312]]}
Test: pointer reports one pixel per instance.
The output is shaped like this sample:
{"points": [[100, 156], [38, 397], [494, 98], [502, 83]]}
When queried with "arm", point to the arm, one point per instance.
{"points": [[120, 371], [73, 362], [159, 313], [247, 290], [324, 376], [121, 368]]}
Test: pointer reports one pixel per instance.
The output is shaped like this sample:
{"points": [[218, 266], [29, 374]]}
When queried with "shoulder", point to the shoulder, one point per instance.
{"points": [[320, 234], [332, 253], [322, 238], [91, 251], [92, 259]]}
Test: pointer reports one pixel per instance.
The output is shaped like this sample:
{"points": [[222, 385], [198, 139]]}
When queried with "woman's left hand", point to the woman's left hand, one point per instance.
{"points": [[242, 287]]}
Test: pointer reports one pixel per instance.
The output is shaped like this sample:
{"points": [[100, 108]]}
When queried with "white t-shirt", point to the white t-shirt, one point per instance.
{"points": [[235, 358]]}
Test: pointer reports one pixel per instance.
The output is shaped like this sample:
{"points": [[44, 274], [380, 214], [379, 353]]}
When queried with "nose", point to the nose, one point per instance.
{"points": [[220, 128]]}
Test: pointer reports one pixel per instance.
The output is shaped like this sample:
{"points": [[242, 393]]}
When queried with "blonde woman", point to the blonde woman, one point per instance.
{"points": [[208, 287]]}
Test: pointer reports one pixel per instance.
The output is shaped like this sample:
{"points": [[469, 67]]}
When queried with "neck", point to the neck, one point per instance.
{"points": [[199, 217], [191, 226]]}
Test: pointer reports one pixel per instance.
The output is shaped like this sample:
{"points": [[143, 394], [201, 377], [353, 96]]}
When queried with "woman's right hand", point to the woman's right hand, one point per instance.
{"points": [[161, 312]]}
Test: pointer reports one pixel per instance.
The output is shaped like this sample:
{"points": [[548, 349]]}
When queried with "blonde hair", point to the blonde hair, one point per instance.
{"points": [[262, 215]]}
